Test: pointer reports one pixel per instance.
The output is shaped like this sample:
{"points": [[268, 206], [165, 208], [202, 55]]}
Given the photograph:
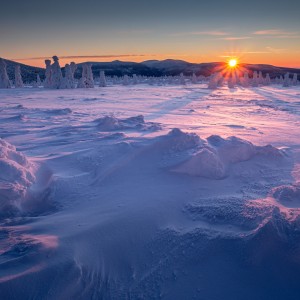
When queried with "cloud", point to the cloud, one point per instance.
{"points": [[276, 50], [244, 52], [210, 33], [274, 32], [235, 38], [87, 56], [267, 50]]}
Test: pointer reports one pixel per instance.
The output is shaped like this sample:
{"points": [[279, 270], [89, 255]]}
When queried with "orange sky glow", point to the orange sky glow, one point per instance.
{"points": [[292, 60]]}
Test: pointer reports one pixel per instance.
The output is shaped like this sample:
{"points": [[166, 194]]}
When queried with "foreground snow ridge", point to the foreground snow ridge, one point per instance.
{"points": [[112, 123], [17, 175], [213, 157], [147, 192]]}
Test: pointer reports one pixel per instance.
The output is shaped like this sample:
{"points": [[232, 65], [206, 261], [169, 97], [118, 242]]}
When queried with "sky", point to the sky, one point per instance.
{"points": [[255, 31]]}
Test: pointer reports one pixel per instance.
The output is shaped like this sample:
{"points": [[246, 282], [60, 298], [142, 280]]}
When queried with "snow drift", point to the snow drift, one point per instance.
{"points": [[111, 123], [288, 195], [16, 176], [213, 157]]}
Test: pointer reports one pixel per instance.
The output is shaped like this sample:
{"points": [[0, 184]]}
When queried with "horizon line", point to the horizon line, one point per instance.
{"points": [[133, 55]]}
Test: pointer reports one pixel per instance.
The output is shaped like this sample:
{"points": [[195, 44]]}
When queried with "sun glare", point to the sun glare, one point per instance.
{"points": [[232, 63]]}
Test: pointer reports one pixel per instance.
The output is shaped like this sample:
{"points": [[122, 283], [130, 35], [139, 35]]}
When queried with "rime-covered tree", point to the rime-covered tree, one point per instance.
{"points": [[281, 79], [4, 80], [268, 79], [102, 79], [246, 80], [255, 79], [134, 79], [90, 77], [18, 77], [82, 80], [87, 79], [67, 82], [295, 79], [260, 78], [56, 74], [215, 80], [182, 79], [73, 67], [286, 80], [125, 80], [194, 78], [38, 80], [47, 82]]}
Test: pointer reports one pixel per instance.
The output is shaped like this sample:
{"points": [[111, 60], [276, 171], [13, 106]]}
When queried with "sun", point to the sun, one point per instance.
{"points": [[232, 63]]}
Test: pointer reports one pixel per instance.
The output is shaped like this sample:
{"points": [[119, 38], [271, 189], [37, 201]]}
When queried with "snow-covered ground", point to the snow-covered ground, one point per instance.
{"points": [[144, 192]]}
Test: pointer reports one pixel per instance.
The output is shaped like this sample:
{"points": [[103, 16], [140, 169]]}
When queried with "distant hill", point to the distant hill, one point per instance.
{"points": [[150, 68], [120, 68], [175, 67], [29, 73]]}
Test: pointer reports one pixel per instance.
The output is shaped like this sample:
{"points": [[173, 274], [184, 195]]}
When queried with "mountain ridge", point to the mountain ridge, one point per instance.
{"points": [[167, 67]]}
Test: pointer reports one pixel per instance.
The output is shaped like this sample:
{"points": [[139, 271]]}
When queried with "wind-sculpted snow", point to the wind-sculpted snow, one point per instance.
{"points": [[177, 141], [213, 158], [132, 196], [288, 195], [16, 176], [111, 123], [59, 111]]}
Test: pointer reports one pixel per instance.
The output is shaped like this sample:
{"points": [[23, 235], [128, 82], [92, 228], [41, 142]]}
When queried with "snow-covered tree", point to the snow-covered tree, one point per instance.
{"points": [[115, 80], [255, 79], [125, 80], [90, 77], [215, 80], [268, 79], [87, 78], [286, 81], [182, 79], [170, 80], [260, 78], [47, 82], [246, 80], [194, 78], [281, 79], [4, 80], [38, 80], [73, 67], [295, 79], [134, 79], [18, 77], [56, 74], [102, 82], [34, 84], [67, 81]]}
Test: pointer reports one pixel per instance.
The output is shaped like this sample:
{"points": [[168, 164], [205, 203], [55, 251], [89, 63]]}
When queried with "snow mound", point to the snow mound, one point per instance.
{"points": [[111, 123], [232, 149], [59, 111], [287, 195], [216, 155], [177, 141], [205, 163], [17, 174]]}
